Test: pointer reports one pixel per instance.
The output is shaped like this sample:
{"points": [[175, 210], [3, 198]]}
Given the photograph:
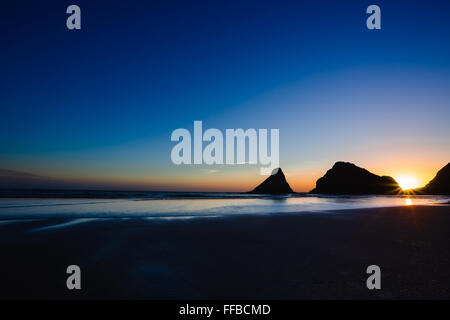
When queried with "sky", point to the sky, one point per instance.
{"points": [[96, 107]]}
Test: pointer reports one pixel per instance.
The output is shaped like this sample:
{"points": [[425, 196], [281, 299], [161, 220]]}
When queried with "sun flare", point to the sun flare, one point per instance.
{"points": [[407, 182]]}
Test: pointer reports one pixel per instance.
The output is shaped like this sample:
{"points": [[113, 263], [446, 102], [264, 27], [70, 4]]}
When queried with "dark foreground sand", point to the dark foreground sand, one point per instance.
{"points": [[306, 256]]}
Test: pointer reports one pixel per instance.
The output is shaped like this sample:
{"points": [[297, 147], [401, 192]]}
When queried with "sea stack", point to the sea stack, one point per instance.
{"points": [[275, 184], [347, 178], [440, 183]]}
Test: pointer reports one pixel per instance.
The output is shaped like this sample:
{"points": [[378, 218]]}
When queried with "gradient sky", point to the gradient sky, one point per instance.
{"points": [[98, 105]]}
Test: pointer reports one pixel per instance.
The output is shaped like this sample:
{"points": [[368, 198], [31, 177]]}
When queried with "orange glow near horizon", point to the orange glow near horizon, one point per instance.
{"points": [[301, 178]]}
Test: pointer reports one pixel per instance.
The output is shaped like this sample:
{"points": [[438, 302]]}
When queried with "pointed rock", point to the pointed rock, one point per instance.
{"points": [[275, 184], [347, 178]]}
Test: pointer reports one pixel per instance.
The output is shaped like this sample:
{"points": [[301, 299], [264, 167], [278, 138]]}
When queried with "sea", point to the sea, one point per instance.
{"points": [[86, 204]]}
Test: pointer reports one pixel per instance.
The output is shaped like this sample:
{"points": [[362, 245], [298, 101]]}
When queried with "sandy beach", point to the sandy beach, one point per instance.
{"points": [[286, 256]]}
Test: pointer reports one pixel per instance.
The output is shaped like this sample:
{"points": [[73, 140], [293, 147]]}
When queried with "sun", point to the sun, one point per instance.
{"points": [[407, 182]]}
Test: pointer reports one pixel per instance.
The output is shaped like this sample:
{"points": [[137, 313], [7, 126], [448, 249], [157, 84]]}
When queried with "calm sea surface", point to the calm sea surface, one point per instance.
{"points": [[166, 205]]}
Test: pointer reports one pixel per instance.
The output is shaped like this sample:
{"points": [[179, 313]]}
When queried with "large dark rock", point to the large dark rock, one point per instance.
{"points": [[275, 184], [346, 178], [439, 184]]}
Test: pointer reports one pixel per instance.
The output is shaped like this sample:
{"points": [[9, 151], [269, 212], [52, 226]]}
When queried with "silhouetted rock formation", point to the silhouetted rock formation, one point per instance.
{"points": [[440, 184], [346, 178], [275, 184]]}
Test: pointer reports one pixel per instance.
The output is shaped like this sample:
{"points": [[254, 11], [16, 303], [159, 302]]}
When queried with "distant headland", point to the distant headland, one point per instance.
{"points": [[439, 185], [347, 178]]}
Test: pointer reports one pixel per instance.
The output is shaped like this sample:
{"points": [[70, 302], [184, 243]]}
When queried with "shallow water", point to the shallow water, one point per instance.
{"points": [[198, 206]]}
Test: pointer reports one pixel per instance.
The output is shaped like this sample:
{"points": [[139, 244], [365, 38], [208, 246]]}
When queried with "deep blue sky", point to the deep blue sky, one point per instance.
{"points": [[100, 103]]}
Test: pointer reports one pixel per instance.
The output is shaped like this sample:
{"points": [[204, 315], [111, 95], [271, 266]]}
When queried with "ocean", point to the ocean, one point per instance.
{"points": [[178, 205]]}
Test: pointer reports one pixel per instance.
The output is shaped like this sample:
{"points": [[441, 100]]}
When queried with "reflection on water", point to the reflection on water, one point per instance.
{"points": [[198, 207], [64, 224]]}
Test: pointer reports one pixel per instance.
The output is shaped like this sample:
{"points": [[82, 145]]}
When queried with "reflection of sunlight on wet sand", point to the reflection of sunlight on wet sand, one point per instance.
{"points": [[408, 201], [65, 224]]}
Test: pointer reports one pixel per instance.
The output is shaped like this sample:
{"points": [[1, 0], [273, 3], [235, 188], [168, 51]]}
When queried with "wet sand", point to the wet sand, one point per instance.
{"points": [[285, 256]]}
